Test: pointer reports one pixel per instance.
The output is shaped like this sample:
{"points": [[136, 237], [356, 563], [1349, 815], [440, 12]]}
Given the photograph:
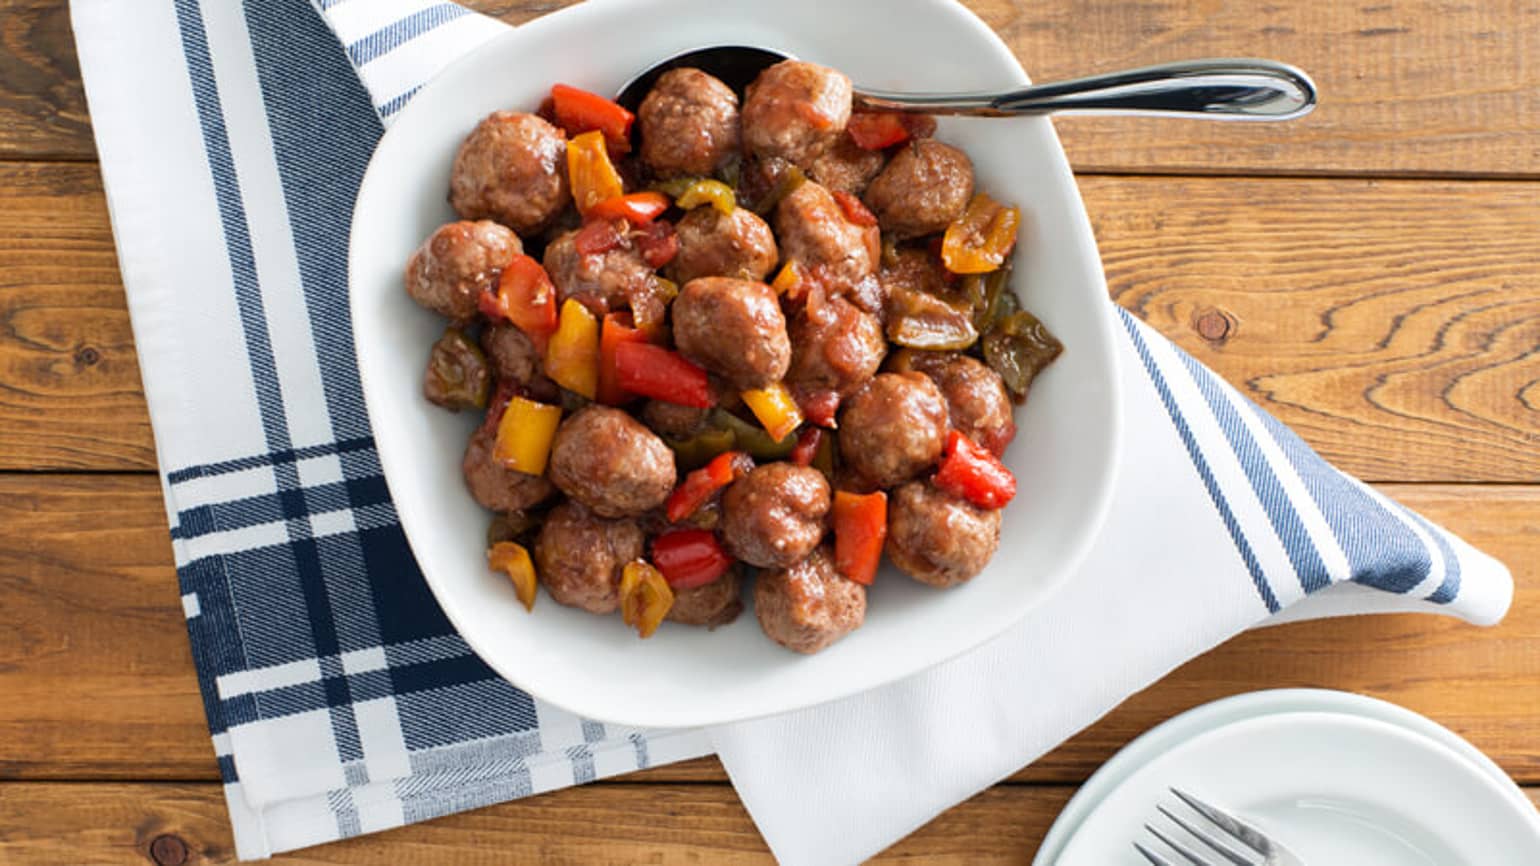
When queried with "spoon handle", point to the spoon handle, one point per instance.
{"points": [[1218, 89]]}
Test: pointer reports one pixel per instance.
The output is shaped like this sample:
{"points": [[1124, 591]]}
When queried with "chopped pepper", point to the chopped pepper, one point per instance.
{"points": [[807, 446], [699, 486], [970, 471], [753, 438], [525, 297], [644, 597], [513, 560], [775, 409], [713, 192], [593, 177], [921, 320], [524, 435], [982, 238], [615, 330], [789, 179], [658, 243], [597, 236], [689, 558], [578, 111], [860, 528], [875, 130], [656, 372], [788, 278], [638, 208], [1018, 348], [458, 376], [698, 450], [572, 357], [820, 407], [855, 211]]}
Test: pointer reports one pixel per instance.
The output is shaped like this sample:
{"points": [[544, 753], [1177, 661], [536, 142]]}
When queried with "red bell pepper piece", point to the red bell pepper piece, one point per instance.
{"points": [[615, 331], [597, 237], [639, 208], [860, 528], [854, 210], [653, 371], [658, 243], [968, 470], [578, 111], [689, 557], [524, 296], [875, 130], [699, 486], [806, 448], [820, 407]]}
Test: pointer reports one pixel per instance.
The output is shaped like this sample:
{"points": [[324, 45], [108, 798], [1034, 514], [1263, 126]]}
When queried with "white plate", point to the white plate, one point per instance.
{"points": [[1335, 788], [1197, 720], [1065, 454]]}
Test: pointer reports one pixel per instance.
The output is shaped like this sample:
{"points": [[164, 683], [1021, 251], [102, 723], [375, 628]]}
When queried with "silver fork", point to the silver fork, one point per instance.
{"points": [[1232, 830]]}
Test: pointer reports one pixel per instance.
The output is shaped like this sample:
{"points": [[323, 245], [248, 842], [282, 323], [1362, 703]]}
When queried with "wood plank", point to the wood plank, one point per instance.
{"points": [[99, 682], [1408, 87], [107, 824], [1390, 322], [70, 396]]}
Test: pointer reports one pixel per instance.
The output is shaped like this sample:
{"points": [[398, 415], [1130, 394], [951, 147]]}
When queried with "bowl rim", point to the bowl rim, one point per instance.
{"points": [[657, 714]]}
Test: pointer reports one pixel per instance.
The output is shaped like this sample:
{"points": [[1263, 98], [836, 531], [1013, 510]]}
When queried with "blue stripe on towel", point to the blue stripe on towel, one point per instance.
{"points": [[393, 36]]}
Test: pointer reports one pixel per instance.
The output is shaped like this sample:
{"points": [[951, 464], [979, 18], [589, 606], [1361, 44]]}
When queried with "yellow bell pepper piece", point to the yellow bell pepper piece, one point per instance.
{"points": [[980, 240], [512, 559], [713, 192], [572, 355], [524, 435], [775, 409], [787, 279], [589, 170], [645, 597]]}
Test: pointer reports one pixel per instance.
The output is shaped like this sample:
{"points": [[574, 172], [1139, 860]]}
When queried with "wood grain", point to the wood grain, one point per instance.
{"points": [[663, 825], [99, 682], [1392, 323], [70, 395], [1408, 87]]}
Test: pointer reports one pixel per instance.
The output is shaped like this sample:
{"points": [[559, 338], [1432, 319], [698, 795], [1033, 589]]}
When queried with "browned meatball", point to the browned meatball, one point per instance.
{"points": [[977, 404], [688, 123], [516, 361], [511, 168], [495, 486], [579, 556], [608, 461], [847, 166], [814, 230], [457, 263], [834, 347], [774, 516], [733, 328], [893, 429], [808, 606], [611, 280], [937, 538], [924, 188], [714, 244], [795, 110], [716, 603]]}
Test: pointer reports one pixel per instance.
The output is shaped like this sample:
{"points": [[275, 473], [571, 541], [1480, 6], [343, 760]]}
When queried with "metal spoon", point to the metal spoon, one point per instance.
{"points": [[1217, 89]]}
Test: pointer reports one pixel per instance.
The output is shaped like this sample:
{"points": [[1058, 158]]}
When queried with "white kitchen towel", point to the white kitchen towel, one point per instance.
{"points": [[232, 139]]}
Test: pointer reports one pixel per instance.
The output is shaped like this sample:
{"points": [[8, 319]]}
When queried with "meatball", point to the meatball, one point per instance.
{"points": [[511, 168], [458, 262], [937, 538], [834, 347], [774, 516], [608, 461], [795, 110], [673, 420], [847, 166], [977, 404], [495, 486], [893, 429], [924, 188], [808, 606], [714, 244], [716, 603], [515, 361], [814, 230], [688, 123], [733, 328], [612, 280], [579, 556]]}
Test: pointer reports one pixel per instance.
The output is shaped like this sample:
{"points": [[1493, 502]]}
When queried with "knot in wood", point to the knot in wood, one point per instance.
{"points": [[1214, 326], [87, 355], [168, 850]]}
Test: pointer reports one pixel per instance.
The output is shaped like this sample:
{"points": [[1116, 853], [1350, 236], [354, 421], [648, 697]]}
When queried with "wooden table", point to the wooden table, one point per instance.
{"points": [[1371, 275]]}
